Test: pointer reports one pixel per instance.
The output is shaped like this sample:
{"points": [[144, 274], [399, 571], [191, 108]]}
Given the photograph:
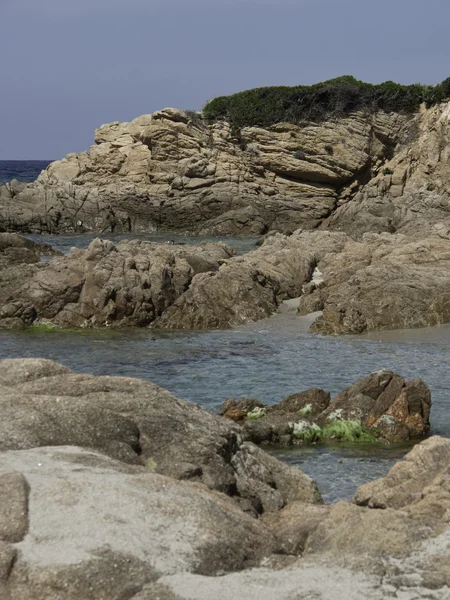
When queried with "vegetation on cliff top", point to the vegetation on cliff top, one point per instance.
{"points": [[334, 98]]}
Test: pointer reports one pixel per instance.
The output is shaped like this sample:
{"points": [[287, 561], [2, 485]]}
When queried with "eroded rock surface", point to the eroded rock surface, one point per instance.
{"points": [[382, 282], [172, 170]]}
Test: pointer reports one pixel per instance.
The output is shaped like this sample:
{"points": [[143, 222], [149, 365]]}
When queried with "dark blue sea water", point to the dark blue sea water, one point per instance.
{"points": [[23, 170]]}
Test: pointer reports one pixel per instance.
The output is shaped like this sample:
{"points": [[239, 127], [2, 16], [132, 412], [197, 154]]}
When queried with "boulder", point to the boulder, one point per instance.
{"points": [[45, 404], [414, 480], [99, 528], [382, 282]]}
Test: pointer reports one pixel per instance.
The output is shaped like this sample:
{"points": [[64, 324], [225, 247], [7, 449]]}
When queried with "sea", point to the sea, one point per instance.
{"points": [[267, 360], [22, 170]]}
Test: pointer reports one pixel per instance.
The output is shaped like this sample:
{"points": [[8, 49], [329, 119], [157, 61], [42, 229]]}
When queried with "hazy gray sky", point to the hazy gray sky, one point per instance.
{"points": [[68, 66]]}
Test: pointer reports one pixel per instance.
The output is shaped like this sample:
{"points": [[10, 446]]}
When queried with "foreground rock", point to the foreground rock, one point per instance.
{"points": [[383, 404], [112, 488], [45, 404], [172, 170], [346, 551]]}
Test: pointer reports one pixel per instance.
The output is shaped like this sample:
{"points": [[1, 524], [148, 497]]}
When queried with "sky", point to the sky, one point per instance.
{"points": [[68, 66]]}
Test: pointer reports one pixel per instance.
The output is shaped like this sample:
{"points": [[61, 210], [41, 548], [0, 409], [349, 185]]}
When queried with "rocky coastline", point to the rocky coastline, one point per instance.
{"points": [[111, 488]]}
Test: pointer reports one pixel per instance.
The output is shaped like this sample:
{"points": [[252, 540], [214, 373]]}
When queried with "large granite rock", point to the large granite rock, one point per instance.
{"points": [[101, 529], [46, 404], [172, 170]]}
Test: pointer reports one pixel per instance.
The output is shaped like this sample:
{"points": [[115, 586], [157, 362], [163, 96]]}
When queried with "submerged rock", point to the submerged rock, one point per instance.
{"points": [[380, 406], [16, 250]]}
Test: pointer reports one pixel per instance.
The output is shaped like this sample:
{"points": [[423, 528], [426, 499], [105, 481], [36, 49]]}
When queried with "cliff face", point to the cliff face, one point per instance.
{"points": [[171, 170], [411, 193]]}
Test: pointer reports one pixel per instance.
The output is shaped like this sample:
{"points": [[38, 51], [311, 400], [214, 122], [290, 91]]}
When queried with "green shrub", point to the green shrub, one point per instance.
{"points": [[334, 98], [388, 171]]}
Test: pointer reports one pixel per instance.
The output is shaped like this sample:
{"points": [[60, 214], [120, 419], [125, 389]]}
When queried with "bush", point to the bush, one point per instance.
{"points": [[388, 171], [334, 98]]}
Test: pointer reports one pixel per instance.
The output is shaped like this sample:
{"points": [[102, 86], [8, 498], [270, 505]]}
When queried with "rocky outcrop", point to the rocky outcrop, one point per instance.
{"points": [[382, 282], [387, 407], [172, 170], [45, 404], [174, 287], [128, 284]]}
